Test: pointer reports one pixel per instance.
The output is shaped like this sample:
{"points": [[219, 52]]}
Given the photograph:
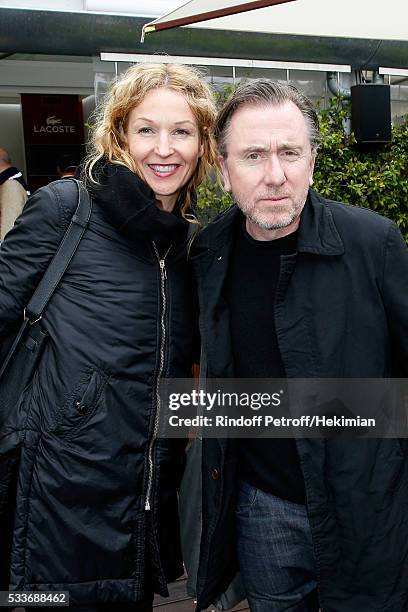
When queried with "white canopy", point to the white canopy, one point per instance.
{"points": [[372, 19]]}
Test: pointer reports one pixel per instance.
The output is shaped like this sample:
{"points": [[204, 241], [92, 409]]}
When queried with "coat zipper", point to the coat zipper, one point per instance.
{"points": [[163, 279]]}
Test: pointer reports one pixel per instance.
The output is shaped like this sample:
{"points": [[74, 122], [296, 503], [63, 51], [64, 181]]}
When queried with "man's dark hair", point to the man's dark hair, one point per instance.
{"points": [[67, 162], [264, 92]]}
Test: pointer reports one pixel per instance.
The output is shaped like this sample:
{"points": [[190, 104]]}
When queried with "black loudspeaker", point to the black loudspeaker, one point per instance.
{"points": [[371, 113]]}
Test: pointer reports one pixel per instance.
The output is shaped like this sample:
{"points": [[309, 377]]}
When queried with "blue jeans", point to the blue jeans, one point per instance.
{"points": [[275, 553]]}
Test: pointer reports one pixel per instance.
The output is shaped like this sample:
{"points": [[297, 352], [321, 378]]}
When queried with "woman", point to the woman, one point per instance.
{"points": [[96, 501]]}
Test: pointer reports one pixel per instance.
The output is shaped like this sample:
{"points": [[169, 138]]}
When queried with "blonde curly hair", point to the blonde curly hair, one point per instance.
{"points": [[108, 135]]}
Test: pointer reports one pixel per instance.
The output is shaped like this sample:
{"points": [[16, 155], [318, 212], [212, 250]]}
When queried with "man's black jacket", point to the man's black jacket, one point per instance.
{"points": [[341, 311]]}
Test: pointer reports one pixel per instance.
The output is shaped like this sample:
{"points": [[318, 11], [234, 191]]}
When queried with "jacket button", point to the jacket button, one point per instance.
{"points": [[215, 473], [82, 408]]}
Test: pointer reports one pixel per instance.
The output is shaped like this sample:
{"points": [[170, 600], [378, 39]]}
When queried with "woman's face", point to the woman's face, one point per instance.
{"points": [[163, 138]]}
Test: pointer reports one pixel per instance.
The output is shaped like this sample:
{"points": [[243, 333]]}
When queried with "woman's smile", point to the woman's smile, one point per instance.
{"points": [[164, 170]]}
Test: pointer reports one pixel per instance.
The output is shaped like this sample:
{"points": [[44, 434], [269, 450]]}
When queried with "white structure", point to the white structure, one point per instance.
{"points": [[153, 8], [332, 18]]}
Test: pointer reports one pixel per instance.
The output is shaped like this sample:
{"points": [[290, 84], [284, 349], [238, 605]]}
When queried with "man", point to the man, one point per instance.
{"points": [[13, 193], [67, 166], [293, 285]]}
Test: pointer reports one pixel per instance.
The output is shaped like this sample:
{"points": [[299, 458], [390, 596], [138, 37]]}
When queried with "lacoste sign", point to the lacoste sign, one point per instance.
{"points": [[54, 125]]}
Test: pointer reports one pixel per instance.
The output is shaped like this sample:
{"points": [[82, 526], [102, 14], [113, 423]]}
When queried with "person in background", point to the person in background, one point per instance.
{"points": [[96, 505], [293, 285], [67, 166], [13, 193]]}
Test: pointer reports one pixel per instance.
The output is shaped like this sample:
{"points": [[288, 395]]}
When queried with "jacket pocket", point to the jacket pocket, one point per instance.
{"points": [[82, 404], [247, 496]]}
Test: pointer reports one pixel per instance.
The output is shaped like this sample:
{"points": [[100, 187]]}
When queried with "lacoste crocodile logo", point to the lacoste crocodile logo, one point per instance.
{"points": [[52, 120]]}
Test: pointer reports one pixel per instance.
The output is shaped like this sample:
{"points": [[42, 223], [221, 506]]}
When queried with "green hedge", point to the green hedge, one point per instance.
{"points": [[376, 178]]}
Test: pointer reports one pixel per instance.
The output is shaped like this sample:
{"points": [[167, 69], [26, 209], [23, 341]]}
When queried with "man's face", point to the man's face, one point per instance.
{"points": [[269, 164]]}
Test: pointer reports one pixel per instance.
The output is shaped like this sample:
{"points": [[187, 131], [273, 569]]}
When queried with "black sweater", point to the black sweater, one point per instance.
{"points": [[268, 464]]}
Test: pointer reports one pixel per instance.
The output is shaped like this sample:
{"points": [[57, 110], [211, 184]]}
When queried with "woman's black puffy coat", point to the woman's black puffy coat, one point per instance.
{"points": [[117, 322]]}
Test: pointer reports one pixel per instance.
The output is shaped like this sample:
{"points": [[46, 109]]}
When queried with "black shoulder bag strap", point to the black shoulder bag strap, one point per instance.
{"points": [[62, 257], [55, 271]]}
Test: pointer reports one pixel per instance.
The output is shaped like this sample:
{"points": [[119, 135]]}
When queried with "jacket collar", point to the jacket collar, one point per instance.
{"points": [[317, 231], [130, 206]]}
